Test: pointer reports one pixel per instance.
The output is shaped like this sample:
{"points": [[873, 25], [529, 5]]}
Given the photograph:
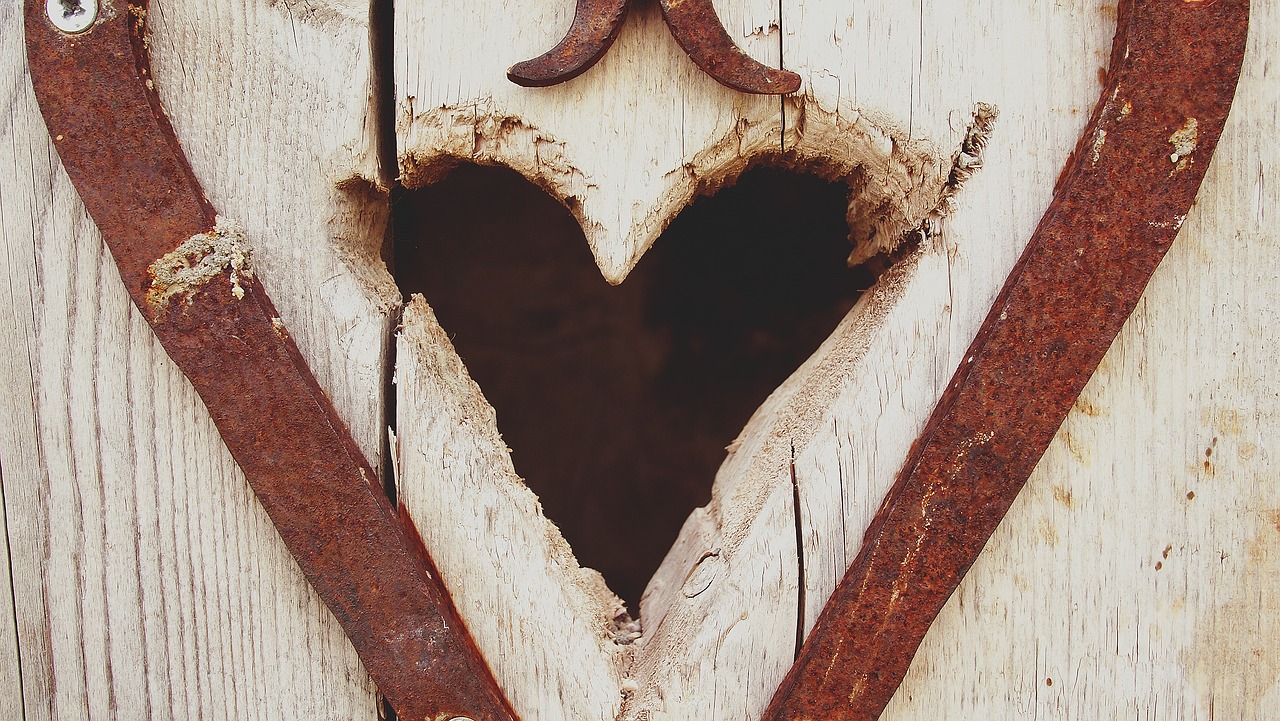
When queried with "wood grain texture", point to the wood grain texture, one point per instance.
{"points": [[589, 142], [273, 104], [1137, 576], [10, 668], [720, 617], [1138, 570], [149, 583], [511, 574]]}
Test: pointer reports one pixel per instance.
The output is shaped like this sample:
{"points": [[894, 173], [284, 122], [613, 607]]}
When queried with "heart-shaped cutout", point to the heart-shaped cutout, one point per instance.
{"points": [[724, 609], [501, 558], [708, 568], [500, 555], [618, 402]]}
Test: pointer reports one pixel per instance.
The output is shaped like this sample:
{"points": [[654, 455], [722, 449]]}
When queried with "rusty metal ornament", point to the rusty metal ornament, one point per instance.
{"points": [[1119, 202], [595, 26], [365, 560], [693, 23]]}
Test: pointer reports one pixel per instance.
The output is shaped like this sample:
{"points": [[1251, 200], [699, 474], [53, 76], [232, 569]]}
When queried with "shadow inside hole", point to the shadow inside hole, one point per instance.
{"points": [[618, 402]]}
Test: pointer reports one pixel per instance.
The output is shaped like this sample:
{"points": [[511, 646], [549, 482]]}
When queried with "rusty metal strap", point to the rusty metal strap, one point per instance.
{"points": [[187, 275], [1120, 200]]}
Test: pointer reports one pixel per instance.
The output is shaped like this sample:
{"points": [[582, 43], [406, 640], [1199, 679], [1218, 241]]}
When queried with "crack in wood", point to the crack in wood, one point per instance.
{"points": [[800, 572]]}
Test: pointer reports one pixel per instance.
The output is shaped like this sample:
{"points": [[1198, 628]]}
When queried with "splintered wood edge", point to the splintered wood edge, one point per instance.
{"points": [[896, 183], [899, 187], [460, 486], [750, 605], [538, 617]]}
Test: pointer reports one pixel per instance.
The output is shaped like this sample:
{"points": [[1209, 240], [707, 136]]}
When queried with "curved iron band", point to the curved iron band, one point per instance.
{"points": [[1118, 205], [698, 30], [595, 26], [366, 562]]}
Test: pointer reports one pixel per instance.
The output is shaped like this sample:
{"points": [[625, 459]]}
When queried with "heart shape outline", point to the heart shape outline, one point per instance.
{"points": [[125, 133]]}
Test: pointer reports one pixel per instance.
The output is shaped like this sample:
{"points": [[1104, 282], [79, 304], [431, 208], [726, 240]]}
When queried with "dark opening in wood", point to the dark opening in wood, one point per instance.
{"points": [[618, 402]]}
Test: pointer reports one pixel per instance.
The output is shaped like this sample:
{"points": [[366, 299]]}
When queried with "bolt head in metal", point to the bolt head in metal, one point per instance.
{"points": [[72, 16]]}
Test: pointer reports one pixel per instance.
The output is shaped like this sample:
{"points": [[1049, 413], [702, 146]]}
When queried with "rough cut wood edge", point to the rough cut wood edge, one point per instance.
{"points": [[148, 581], [720, 617], [626, 146], [546, 625], [748, 608]]}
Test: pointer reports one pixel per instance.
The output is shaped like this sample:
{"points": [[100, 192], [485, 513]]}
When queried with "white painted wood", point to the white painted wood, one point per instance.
{"points": [[1068, 589], [148, 581]]}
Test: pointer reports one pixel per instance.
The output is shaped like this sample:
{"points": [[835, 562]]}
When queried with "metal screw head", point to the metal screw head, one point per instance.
{"points": [[72, 16]]}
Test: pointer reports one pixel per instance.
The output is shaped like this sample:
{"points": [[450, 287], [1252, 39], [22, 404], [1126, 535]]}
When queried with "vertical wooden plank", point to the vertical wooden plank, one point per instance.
{"points": [[273, 103], [16, 434], [149, 583], [1137, 576], [26, 165], [624, 147], [920, 69], [840, 427], [10, 671]]}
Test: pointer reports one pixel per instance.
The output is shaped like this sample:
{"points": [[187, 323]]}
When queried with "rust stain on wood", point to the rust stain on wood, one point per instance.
{"points": [[1231, 661]]}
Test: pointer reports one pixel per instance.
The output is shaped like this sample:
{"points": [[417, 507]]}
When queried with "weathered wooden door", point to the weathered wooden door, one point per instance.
{"points": [[1137, 575]]}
